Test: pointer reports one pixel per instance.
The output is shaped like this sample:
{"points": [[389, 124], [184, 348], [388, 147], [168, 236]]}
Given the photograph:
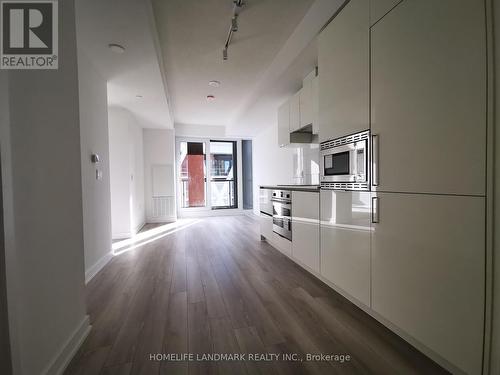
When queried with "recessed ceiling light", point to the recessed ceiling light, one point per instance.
{"points": [[214, 83], [139, 96], [116, 48], [210, 98]]}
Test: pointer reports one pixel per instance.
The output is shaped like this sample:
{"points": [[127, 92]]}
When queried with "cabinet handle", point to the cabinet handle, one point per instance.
{"points": [[375, 213], [375, 157]]}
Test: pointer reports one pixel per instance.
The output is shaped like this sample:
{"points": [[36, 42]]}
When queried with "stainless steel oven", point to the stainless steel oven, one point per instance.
{"points": [[344, 162], [282, 213]]}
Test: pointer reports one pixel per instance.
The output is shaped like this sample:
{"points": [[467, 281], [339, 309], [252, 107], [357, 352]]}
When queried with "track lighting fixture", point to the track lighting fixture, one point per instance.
{"points": [[238, 4]]}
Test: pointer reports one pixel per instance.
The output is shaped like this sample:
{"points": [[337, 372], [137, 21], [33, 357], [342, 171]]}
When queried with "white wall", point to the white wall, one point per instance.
{"points": [[94, 140], [136, 154], [43, 195], [306, 164], [159, 150], [126, 173], [272, 165], [200, 131], [119, 166]]}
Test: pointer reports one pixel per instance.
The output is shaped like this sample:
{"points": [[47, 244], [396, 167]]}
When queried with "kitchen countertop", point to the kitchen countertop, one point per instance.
{"points": [[309, 188]]}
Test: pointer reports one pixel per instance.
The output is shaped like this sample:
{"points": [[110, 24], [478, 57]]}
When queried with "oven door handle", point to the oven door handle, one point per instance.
{"points": [[283, 217], [284, 201]]}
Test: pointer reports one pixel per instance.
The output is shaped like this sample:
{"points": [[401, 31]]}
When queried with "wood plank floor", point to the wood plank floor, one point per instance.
{"points": [[214, 287]]}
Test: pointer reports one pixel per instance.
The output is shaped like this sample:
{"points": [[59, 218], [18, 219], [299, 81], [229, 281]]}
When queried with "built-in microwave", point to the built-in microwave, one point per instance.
{"points": [[344, 162]]}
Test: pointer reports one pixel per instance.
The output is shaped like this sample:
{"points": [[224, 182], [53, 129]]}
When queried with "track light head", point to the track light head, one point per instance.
{"points": [[224, 54], [234, 23]]}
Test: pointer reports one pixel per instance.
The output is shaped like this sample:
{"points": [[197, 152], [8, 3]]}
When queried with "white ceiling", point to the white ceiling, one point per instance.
{"points": [[297, 58], [192, 35], [137, 71], [178, 44]]}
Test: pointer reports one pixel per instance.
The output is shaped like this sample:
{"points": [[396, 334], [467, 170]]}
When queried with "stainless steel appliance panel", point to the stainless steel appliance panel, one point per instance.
{"points": [[282, 213], [345, 162]]}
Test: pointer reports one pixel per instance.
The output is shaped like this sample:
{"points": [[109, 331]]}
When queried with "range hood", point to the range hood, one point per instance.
{"points": [[304, 135]]}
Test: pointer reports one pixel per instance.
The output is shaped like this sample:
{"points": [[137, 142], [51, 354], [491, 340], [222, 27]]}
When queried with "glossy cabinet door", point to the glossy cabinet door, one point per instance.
{"points": [[305, 228], [284, 124], [305, 103], [315, 105], [343, 64], [345, 241], [379, 8], [265, 204], [428, 97], [266, 226], [295, 112], [428, 271]]}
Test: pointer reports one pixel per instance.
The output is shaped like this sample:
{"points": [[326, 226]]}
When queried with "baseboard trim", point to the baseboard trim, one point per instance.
{"points": [[209, 213], [69, 349], [121, 236], [166, 219], [139, 227], [94, 270]]}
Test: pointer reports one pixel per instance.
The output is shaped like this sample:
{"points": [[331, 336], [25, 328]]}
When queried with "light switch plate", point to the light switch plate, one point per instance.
{"points": [[98, 174]]}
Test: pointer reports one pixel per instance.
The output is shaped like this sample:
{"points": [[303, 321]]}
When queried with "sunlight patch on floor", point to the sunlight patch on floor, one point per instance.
{"points": [[146, 237]]}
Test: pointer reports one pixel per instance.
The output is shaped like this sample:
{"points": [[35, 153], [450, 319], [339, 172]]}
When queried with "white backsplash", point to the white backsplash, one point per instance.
{"points": [[306, 165]]}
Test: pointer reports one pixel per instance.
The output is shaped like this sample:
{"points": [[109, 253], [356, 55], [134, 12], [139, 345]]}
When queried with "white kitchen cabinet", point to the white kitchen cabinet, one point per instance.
{"points": [[378, 8], [428, 97], [428, 272], [284, 124], [305, 228], [295, 112], [306, 103], [315, 105], [345, 241], [266, 226], [265, 204], [281, 243], [343, 63]]}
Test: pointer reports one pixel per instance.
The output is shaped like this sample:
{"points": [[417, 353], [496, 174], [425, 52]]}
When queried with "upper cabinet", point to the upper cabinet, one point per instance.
{"points": [[306, 115], [284, 124], [295, 112], [306, 101], [344, 67], [379, 8], [428, 95], [315, 104], [298, 117]]}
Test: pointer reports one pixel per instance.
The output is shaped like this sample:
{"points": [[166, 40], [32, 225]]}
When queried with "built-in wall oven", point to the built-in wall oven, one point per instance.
{"points": [[282, 213], [344, 162]]}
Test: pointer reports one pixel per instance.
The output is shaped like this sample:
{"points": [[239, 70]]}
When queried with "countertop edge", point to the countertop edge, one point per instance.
{"points": [[309, 189]]}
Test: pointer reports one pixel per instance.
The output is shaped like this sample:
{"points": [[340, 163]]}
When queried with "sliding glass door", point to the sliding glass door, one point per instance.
{"points": [[206, 175], [192, 174], [223, 176]]}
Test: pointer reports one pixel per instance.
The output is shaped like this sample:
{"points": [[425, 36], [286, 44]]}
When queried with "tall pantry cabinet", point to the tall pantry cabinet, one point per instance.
{"points": [[428, 97], [344, 68], [428, 116]]}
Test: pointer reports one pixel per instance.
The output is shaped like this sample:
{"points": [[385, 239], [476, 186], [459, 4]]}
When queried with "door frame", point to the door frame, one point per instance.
{"points": [[207, 210], [235, 173], [181, 211]]}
